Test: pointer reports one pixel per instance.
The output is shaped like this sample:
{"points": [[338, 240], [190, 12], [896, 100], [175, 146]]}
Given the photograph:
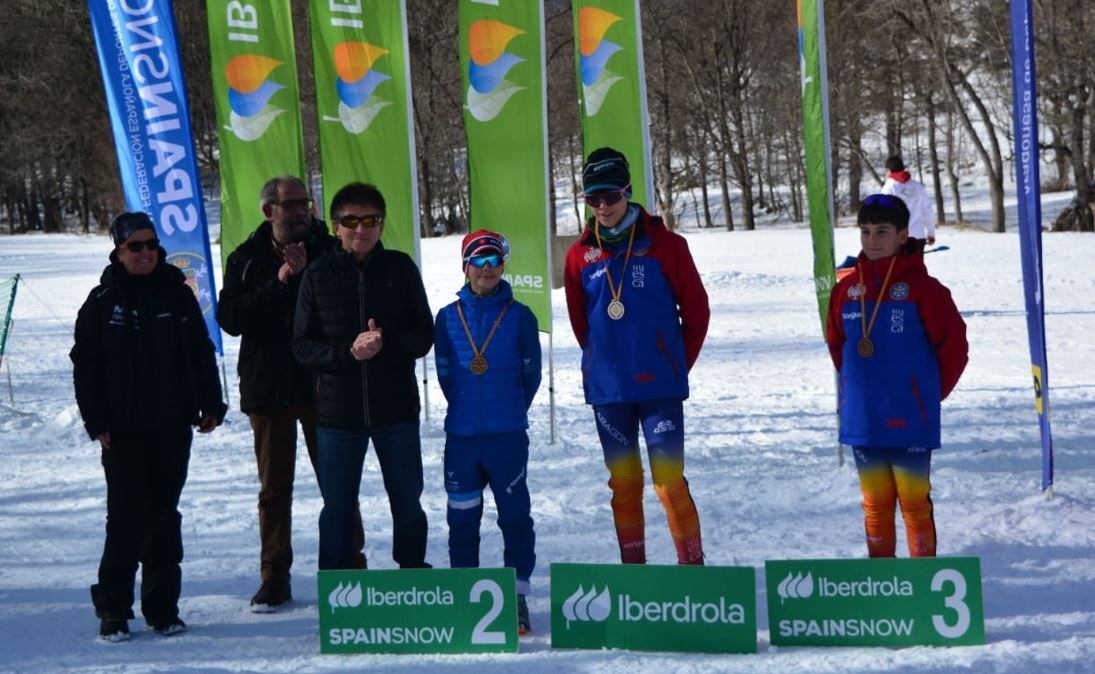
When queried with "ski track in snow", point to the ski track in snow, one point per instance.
{"points": [[760, 456]]}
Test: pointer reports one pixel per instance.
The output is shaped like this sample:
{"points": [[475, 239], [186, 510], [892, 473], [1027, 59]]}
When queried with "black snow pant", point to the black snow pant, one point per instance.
{"points": [[145, 474]]}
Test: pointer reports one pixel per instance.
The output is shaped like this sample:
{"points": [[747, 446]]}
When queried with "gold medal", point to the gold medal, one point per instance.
{"points": [[478, 365], [864, 348], [615, 310]]}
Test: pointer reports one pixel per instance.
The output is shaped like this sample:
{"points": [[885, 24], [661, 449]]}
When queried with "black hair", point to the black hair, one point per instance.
{"points": [[882, 209], [360, 194], [894, 163]]}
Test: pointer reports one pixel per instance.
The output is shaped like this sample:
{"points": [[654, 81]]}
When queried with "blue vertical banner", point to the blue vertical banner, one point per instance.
{"points": [[146, 93], [1024, 93]]}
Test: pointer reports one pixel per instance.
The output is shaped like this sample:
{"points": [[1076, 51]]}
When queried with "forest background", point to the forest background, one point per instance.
{"points": [[929, 79]]}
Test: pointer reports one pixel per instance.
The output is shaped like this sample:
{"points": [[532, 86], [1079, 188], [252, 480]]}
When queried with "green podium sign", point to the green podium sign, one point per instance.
{"points": [[418, 611], [875, 602], [703, 609]]}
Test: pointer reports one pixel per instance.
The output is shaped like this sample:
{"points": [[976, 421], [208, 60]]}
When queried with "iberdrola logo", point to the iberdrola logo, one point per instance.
{"points": [[588, 606], [488, 66], [357, 81], [594, 53], [249, 95]]}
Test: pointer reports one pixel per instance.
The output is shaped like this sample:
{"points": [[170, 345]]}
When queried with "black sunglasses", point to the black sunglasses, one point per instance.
{"points": [[138, 246], [355, 221]]}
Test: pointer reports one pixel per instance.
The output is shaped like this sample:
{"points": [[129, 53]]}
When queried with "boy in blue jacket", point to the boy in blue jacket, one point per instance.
{"points": [[487, 349], [899, 344]]}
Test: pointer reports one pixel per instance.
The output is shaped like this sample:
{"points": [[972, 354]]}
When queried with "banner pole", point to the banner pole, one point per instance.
{"points": [[224, 379], [425, 388], [11, 391], [551, 384], [7, 364]]}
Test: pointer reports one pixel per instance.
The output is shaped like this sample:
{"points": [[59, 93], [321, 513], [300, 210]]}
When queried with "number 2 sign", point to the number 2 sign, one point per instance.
{"points": [[418, 611]]}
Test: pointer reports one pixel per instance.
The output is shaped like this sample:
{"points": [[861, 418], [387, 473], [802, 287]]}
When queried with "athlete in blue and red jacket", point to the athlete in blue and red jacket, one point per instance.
{"points": [[640, 313], [899, 344], [487, 348]]}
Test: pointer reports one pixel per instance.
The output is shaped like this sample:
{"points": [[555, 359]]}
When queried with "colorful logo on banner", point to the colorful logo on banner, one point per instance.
{"points": [[806, 77], [357, 82], [196, 269], [249, 94], [488, 65], [594, 54]]}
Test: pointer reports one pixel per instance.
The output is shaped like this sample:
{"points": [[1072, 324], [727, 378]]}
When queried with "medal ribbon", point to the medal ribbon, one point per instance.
{"points": [[867, 327], [477, 351], [615, 291]]}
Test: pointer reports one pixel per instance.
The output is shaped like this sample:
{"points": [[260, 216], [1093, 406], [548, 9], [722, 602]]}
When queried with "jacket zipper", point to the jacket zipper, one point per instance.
{"points": [[364, 325]]}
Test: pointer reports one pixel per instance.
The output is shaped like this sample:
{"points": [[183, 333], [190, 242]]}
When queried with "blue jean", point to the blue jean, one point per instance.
{"points": [[341, 454]]}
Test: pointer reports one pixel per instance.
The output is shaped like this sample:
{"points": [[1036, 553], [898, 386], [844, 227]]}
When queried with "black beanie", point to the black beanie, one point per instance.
{"points": [[126, 223], [605, 169]]}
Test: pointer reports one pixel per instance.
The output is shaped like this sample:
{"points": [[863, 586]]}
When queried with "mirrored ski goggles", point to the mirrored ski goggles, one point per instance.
{"points": [[884, 200], [480, 261]]}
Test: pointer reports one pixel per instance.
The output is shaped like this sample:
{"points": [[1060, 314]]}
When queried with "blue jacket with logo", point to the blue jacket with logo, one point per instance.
{"points": [[647, 353], [891, 398], [496, 401]]}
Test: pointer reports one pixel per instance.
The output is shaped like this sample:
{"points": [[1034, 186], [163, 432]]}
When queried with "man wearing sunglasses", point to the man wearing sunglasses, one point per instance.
{"points": [[640, 313], [258, 303], [362, 320], [145, 372]]}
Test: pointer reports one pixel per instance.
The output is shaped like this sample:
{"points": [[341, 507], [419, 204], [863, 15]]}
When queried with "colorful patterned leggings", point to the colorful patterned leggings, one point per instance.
{"points": [[662, 422], [888, 475]]}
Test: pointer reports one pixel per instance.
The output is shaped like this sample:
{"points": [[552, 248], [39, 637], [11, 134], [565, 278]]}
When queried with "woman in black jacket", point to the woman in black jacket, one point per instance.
{"points": [[145, 372]]}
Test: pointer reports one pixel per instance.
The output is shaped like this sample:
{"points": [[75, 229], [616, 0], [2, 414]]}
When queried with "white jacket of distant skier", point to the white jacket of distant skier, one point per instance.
{"points": [[912, 192]]}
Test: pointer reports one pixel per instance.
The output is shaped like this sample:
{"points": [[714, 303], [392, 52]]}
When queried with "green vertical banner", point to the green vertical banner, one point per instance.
{"points": [[505, 114], [254, 67], [612, 85], [363, 101], [815, 118], [7, 302]]}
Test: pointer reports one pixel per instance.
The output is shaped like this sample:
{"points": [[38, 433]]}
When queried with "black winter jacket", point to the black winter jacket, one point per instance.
{"points": [[143, 358], [258, 307], [337, 298]]}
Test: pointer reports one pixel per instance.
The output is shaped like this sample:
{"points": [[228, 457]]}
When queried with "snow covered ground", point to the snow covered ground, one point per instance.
{"points": [[760, 458]]}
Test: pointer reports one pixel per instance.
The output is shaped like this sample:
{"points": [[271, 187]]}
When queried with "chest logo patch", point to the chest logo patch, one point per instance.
{"points": [[899, 291], [592, 255]]}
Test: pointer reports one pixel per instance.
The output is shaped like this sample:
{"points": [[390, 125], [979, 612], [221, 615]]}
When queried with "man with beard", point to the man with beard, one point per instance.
{"points": [[257, 303]]}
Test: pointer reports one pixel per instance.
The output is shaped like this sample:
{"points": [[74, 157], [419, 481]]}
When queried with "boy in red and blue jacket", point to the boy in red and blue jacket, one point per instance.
{"points": [[899, 344], [640, 312], [487, 348]]}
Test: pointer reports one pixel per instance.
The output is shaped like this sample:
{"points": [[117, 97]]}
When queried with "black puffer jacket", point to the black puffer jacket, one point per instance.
{"points": [[143, 358], [258, 307], [337, 298]]}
